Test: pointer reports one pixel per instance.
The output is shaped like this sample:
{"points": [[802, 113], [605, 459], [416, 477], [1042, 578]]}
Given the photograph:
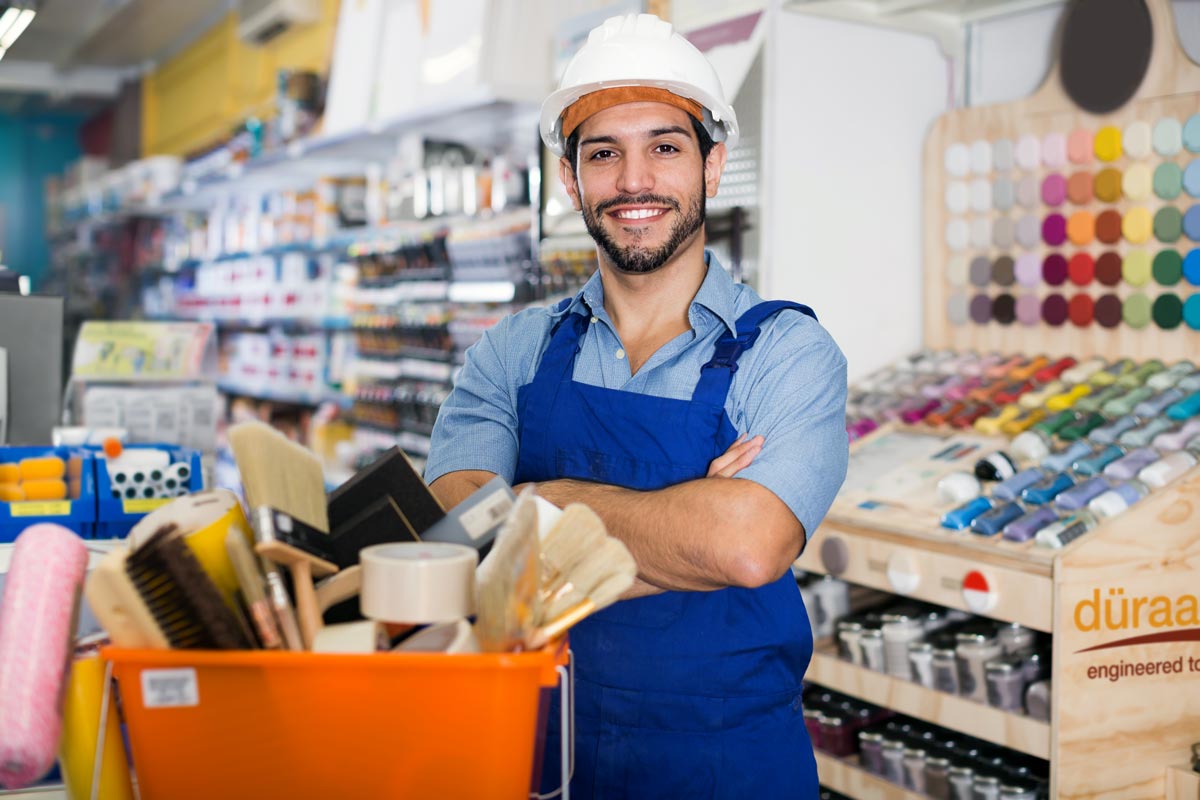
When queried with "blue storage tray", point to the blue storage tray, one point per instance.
{"points": [[77, 514], [115, 517]]}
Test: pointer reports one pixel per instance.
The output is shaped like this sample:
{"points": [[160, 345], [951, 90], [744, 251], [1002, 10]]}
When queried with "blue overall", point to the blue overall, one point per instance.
{"points": [[682, 694]]}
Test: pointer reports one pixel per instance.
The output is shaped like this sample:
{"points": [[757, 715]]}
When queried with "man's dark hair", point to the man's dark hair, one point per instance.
{"points": [[571, 151]]}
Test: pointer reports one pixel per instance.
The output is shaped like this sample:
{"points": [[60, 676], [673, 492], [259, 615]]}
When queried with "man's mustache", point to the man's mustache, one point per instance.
{"points": [[640, 200]]}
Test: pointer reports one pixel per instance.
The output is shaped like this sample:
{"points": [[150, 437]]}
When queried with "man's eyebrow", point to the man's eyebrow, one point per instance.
{"points": [[649, 135], [599, 140], [672, 129]]}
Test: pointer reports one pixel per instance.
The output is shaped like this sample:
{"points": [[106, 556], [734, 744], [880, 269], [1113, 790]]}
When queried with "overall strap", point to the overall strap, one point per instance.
{"points": [[716, 375], [559, 356]]}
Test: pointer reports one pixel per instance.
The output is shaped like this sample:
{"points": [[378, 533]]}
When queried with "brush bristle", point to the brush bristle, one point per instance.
{"points": [[184, 601], [279, 473], [577, 532], [611, 558], [508, 581]]}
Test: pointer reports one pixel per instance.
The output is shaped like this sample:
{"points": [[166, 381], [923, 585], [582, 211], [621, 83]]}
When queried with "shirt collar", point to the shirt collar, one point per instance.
{"points": [[716, 295]]}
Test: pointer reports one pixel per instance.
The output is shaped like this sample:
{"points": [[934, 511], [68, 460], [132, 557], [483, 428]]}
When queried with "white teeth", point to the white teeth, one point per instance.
{"points": [[639, 213]]}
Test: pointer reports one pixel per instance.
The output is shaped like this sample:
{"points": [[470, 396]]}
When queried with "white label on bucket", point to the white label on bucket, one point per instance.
{"points": [[485, 516], [170, 688]]}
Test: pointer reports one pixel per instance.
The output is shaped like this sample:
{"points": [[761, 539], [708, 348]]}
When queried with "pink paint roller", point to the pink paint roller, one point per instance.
{"points": [[37, 623]]}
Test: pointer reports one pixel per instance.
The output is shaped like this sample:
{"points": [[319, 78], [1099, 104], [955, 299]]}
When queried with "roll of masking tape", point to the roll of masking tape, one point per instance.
{"points": [[448, 637], [418, 582], [204, 519], [352, 637]]}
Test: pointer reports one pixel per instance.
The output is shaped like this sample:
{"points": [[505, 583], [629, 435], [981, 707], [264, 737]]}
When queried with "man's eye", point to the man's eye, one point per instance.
{"points": [[600, 155], [667, 148]]}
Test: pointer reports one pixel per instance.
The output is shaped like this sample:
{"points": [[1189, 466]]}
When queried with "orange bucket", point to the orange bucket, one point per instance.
{"points": [[257, 724]]}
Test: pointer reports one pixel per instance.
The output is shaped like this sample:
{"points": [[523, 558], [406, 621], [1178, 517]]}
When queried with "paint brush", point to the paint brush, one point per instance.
{"points": [[611, 559], [577, 532], [118, 606], [251, 583], [508, 581]]}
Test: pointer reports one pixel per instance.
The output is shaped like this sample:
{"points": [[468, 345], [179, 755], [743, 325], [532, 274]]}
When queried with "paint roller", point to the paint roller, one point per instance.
{"points": [[37, 622]]}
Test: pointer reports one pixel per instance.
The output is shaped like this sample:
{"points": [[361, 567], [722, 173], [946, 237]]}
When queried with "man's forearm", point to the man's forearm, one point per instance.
{"points": [[694, 536], [454, 487]]}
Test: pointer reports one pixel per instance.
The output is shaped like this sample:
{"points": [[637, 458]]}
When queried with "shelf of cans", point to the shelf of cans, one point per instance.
{"points": [[1089, 439]]}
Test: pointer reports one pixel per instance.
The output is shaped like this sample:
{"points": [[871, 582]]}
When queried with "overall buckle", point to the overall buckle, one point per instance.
{"points": [[728, 350]]}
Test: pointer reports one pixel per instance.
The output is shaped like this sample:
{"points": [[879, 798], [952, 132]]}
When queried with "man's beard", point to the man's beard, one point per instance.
{"points": [[635, 260]]}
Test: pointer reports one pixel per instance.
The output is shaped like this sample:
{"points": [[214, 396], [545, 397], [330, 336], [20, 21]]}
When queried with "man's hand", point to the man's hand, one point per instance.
{"points": [[736, 458]]}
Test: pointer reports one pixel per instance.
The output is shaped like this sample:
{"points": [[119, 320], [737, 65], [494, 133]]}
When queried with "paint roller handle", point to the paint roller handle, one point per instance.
{"points": [[339, 588], [306, 601]]}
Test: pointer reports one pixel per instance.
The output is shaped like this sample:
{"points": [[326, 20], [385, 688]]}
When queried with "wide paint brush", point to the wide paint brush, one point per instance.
{"points": [[508, 581]]}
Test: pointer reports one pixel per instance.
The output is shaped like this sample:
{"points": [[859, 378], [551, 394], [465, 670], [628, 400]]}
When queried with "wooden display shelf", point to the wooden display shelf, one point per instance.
{"points": [[934, 571], [853, 781], [1015, 731], [1182, 784]]}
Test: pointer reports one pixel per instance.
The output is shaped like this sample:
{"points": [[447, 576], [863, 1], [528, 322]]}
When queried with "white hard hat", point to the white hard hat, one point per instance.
{"points": [[640, 50]]}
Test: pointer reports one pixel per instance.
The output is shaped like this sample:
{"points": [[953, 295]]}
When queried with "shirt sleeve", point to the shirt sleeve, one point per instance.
{"points": [[476, 427], [796, 399]]}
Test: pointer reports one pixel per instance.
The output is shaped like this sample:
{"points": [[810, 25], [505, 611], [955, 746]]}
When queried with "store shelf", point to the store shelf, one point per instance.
{"points": [[1182, 783], [299, 323], [1015, 731], [846, 777], [295, 398]]}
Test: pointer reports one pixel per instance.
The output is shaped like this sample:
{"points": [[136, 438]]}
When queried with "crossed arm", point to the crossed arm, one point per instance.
{"points": [[699, 535]]}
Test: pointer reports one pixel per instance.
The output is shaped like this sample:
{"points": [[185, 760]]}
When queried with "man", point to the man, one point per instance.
{"points": [[630, 398]]}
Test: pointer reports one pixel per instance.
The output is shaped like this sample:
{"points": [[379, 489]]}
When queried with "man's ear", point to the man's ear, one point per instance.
{"points": [[566, 174], [714, 167]]}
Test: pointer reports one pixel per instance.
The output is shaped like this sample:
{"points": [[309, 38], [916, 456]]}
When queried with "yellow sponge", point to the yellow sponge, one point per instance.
{"points": [[10, 473], [40, 469], [11, 493], [44, 490]]}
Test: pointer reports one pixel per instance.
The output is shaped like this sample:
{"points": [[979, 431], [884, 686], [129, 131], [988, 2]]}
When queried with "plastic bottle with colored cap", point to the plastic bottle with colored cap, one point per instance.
{"points": [[1120, 406], [1039, 396], [1171, 466], [1095, 463], [1186, 408], [1023, 422], [1034, 444], [958, 487], [1082, 427], [1069, 398], [1191, 383], [1107, 434], [1026, 527], [1011, 488], [1129, 465], [1094, 401], [1079, 495], [1117, 499], [1158, 403], [1143, 436], [995, 466], [1110, 374], [960, 518], [991, 424], [1083, 370], [1047, 489], [1062, 459], [1140, 374], [1175, 440], [993, 521], [1060, 534], [1171, 375], [1055, 370]]}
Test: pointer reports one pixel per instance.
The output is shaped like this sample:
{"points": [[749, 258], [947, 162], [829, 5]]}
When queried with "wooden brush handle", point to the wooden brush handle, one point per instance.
{"points": [[306, 602], [560, 624]]}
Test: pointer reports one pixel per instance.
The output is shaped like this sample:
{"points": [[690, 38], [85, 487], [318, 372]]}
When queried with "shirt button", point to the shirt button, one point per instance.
{"points": [[620, 354], [595, 320]]}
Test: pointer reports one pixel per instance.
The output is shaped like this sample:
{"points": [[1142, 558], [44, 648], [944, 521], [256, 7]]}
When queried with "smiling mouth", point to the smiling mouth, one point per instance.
{"points": [[635, 215]]}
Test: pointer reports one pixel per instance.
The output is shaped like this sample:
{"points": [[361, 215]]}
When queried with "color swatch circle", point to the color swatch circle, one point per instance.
{"points": [[1191, 223], [1004, 271], [1136, 139], [981, 308], [1028, 232], [1079, 188], [957, 160], [956, 308], [1137, 182], [980, 192], [1108, 311], [1002, 155], [956, 272], [1135, 269], [1137, 225], [1108, 269], [1191, 312], [957, 197], [1054, 230], [1054, 269], [1029, 310], [957, 234], [1168, 180], [1029, 152], [981, 271], [1080, 310], [1168, 224], [1028, 270], [1054, 150], [981, 233], [1079, 146], [1107, 185], [1054, 310], [1168, 137], [1136, 311], [981, 157], [1167, 268], [1191, 178], [1081, 228], [1004, 309], [1167, 311], [1191, 134], [1081, 269], [1108, 143], [1054, 189], [1027, 191], [1191, 268], [1108, 226], [1002, 233], [1004, 194]]}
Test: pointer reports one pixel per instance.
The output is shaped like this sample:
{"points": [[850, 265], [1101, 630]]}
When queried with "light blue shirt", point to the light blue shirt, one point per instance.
{"points": [[790, 388]]}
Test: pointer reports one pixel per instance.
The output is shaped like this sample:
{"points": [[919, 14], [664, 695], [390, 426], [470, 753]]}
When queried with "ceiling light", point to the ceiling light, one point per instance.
{"points": [[16, 26]]}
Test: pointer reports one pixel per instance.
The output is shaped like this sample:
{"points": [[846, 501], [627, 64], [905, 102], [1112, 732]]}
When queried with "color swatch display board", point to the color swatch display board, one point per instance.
{"points": [[1049, 228]]}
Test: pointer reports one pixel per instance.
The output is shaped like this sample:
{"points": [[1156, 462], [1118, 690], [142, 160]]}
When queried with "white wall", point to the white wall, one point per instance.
{"points": [[847, 117]]}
